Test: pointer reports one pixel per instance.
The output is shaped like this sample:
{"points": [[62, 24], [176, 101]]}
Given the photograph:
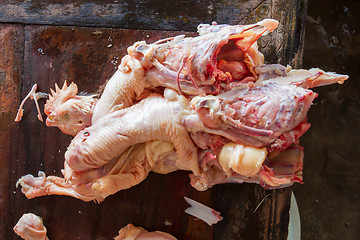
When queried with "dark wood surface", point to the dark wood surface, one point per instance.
{"points": [[11, 68], [329, 198], [88, 56], [143, 14]]}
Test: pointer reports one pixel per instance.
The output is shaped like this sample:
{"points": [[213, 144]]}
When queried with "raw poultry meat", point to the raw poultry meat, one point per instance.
{"points": [[188, 65], [208, 105], [31, 227], [130, 232]]}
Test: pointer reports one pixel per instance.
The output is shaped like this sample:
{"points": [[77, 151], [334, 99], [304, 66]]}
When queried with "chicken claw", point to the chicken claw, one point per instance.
{"points": [[32, 95]]}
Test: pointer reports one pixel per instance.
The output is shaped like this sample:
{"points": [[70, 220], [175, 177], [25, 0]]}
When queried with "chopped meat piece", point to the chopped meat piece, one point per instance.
{"points": [[208, 215], [30, 227], [130, 232]]}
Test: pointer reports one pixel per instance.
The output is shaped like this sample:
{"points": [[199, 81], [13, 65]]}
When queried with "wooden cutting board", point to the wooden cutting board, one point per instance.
{"points": [[83, 42]]}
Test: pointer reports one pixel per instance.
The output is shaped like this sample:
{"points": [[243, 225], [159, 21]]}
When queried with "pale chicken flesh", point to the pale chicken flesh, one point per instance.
{"points": [[130, 232], [31, 227], [208, 105]]}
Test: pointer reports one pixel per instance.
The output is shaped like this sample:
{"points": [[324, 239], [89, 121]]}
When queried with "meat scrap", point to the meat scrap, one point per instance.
{"points": [[206, 214], [208, 105], [31, 227], [130, 232]]}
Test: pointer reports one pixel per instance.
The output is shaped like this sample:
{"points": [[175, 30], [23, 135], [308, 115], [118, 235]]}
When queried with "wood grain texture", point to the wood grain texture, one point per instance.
{"points": [[285, 45], [11, 67], [252, 212], [331, 147], [144, 14], [88, 56]]}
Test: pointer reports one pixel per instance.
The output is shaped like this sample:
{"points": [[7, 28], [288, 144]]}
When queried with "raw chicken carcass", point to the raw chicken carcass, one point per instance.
{"points": [[206, 104]]}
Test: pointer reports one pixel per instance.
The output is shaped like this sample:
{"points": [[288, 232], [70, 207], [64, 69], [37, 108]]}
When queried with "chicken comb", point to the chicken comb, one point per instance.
{"points": [[59, 96]]}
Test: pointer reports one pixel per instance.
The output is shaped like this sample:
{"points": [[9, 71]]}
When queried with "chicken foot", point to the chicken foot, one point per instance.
{"points": [[130, 169]]}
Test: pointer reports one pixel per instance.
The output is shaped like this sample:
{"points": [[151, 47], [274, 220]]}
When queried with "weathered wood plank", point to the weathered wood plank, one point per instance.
{"points": [[251, 212], [285, 44], [145, 14], [11, 67]]}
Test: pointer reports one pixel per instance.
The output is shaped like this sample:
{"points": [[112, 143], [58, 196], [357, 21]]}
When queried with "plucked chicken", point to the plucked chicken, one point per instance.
{"points": [[207, 104]]}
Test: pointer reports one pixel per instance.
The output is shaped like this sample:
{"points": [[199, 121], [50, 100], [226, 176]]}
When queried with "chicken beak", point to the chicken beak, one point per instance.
{"points": [[50, 121]]}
